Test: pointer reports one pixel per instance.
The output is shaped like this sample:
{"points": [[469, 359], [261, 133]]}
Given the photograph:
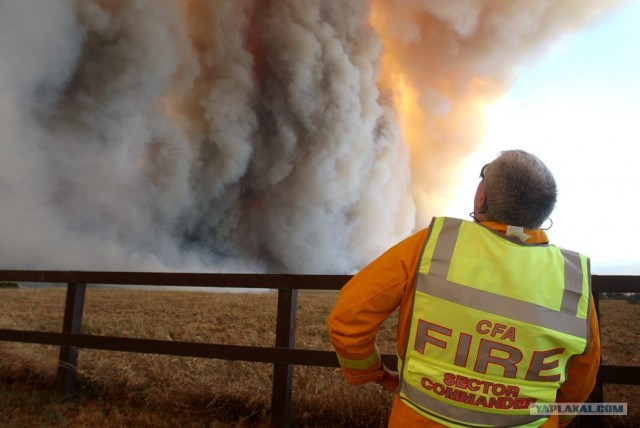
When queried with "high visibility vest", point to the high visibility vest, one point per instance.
{"points": [[493, 325]]}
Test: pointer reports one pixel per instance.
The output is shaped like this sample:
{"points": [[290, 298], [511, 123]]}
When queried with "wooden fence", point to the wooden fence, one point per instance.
{"points": [[282, 355]]}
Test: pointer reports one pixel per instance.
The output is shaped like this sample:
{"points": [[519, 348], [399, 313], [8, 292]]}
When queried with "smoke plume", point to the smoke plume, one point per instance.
{"points": [[301, 136]]}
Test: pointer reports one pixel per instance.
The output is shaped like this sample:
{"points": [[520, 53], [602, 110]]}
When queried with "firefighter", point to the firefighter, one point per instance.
{"points": [[492, 318]]}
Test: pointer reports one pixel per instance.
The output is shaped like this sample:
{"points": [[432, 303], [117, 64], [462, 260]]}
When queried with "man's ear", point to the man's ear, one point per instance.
{"points": [[480, 200], [483, 207]]}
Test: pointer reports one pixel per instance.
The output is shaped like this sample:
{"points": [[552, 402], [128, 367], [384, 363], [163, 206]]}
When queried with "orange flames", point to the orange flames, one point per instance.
{"points": [[438, 101]]}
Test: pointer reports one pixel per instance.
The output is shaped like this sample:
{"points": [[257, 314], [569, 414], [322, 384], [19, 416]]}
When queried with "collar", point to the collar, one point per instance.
{"points": [[536, 236]]}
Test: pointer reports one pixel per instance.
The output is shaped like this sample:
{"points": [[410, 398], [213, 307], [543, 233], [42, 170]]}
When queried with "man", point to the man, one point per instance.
{"points": [[491, 317]]}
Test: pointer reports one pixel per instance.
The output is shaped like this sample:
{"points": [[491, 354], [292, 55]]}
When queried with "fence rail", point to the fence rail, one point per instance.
{"points": [[283, 355]]}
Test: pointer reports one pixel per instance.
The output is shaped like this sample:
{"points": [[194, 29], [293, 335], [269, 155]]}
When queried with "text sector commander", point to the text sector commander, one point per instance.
{"points": [[492, 318]]}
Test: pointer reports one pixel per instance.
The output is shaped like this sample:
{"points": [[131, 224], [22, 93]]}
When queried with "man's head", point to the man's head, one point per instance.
{"points": [[516, 189]]}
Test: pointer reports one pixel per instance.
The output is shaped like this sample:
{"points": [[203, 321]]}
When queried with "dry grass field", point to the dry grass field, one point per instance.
{"points": [[620, 337], [125, 389]]}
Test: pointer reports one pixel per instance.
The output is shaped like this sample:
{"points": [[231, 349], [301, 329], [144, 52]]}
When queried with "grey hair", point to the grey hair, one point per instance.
{"points": [[521, 191]]}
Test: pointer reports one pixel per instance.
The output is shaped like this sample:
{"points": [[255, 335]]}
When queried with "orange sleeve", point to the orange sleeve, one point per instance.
{"points": [[363, 305], [582, 370]]}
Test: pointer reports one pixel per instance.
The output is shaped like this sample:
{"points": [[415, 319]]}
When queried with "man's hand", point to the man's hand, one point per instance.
{"points": [[389, 380]]}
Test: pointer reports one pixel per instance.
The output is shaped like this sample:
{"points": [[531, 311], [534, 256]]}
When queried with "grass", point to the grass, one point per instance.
{"points": [[126, 389], [620, 339]]}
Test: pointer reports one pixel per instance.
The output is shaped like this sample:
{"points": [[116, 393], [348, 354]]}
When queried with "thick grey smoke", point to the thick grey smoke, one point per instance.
{"points": [[234, 135], [222, 135]]}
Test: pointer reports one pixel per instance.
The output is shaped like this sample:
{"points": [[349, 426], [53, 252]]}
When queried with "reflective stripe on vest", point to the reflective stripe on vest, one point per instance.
{"points": [[463, 364]]}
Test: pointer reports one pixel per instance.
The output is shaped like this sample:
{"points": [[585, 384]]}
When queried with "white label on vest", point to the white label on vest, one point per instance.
{"points": [[517, 232]]}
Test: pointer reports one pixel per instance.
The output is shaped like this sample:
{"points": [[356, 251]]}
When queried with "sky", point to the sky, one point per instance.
{"points": [[577, 109]]}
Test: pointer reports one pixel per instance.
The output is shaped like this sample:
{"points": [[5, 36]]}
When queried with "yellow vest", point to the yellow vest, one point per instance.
{"points": [[494, 323]]}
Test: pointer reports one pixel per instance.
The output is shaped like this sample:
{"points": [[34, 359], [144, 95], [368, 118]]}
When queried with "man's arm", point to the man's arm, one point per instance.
{"points": [[582, 371], [363, 305]]}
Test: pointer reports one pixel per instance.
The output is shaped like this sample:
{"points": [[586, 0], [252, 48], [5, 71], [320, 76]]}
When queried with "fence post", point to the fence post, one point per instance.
{"points": [[283, 373], [71, 324]]}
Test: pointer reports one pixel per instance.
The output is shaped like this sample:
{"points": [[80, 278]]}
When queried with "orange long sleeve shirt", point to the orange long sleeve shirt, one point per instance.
{"points": [[386, 284]]}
